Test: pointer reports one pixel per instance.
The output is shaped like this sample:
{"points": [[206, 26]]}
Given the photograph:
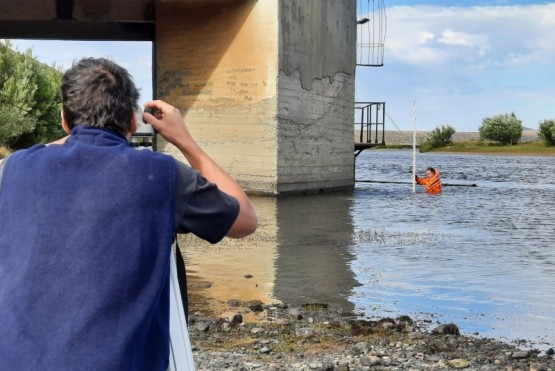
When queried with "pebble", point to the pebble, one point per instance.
{"points": [[295, 313], [265, 350], [232, 317], [459, 363], [282, 321], [256, 330], [370, 361], [520, 355], [448, 329], [203, 325], [537, 367], [362, 347], [305, 332]]}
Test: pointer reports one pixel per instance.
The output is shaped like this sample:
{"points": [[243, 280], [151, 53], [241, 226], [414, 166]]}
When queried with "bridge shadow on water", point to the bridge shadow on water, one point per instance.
{"points": [[299, 255]]}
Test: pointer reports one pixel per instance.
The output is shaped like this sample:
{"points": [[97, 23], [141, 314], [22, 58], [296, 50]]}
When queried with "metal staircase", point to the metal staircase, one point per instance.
{"points": [[371, 30]]}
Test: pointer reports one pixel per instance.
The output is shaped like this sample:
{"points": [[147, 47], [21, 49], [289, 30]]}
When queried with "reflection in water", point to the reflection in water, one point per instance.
{"points": [[313, 264], [299, 254], [218, 273]]}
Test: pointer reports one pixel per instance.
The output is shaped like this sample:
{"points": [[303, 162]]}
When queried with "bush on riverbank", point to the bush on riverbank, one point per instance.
{"points": [[505, 129], [547, 132], [439, 137]]}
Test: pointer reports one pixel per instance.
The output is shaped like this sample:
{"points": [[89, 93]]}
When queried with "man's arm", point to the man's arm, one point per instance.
{"points": [[170, 124]]}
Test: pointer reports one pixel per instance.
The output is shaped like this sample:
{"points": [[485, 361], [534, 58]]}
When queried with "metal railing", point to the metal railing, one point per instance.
{"points": [[370, 121]]}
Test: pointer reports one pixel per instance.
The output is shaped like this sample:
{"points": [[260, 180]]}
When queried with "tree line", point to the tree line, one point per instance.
{"points": [[30, 99], [505, 129]]}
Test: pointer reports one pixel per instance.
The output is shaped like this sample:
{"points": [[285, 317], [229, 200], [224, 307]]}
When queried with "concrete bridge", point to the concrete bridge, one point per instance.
{"points": [[267, 86]]}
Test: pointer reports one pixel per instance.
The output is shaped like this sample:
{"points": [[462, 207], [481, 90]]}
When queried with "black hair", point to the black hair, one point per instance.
{"points": [[431, 169], [97, 92]]}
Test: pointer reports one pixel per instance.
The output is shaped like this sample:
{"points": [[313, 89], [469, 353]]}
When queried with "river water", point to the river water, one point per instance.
{"points": [[482, 257]]}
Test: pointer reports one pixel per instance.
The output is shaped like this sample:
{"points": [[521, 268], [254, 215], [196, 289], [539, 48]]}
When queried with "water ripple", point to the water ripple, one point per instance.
{"points": [[488, 250]]}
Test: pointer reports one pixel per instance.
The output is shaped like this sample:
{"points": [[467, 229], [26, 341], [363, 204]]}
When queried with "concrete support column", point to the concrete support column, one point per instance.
{"points": [[266, 87], [317, 59], [218, 64]]}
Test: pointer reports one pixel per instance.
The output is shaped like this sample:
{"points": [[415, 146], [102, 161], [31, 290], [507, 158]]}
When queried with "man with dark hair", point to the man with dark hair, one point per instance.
{"points": [[100, 93], [86, 229]]}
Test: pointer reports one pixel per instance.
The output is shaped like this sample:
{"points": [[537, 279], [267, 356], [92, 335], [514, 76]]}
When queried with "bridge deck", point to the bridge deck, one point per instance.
{"points": [[361, 146]]}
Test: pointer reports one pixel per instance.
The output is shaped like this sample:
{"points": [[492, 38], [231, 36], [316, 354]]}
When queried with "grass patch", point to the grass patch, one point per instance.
{"points": [[227, 342], [483, 147], [312, 307], [233, 344]]}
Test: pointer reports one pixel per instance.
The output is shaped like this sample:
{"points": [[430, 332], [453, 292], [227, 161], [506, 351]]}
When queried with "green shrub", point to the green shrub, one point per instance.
{"points": [[30, 99], [547, 132], [439, 137], [505, 129]]}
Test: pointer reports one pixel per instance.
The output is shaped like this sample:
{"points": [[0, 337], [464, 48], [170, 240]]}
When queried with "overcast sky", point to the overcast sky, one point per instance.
{"points": [[460, 61]]}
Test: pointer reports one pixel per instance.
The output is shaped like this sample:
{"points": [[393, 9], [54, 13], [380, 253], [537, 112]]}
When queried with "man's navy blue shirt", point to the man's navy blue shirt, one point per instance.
{"points": [[86, 230]]}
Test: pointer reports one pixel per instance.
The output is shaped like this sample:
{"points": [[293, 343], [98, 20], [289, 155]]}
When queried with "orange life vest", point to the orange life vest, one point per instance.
{"points": [[433, 184]]}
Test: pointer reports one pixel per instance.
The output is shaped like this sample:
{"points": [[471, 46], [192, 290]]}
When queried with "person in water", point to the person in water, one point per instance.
{"points": [[431, 181]]}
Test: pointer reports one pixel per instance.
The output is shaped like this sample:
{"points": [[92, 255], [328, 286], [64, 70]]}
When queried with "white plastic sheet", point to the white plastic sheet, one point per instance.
{"points": [[181, 354]]}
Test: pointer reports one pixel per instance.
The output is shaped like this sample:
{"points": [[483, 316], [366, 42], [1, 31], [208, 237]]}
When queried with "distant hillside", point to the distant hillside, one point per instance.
{"points": [[405, 137]]}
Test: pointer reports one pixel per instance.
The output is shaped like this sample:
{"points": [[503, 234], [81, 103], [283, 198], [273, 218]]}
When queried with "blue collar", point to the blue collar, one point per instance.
{"points": [[93, 135]]}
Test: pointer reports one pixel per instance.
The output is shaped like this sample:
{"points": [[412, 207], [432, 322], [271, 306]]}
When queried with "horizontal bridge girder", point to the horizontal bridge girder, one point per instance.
{"points": [[77, 30]]}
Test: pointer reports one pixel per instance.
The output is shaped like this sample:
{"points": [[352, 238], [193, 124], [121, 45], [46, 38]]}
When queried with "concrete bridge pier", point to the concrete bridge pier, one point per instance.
{"points": [[267, 87]]}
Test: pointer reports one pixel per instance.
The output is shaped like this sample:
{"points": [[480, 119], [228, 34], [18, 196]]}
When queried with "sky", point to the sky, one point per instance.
{"points": [[135, 56], [454, 62], [458, 62]]}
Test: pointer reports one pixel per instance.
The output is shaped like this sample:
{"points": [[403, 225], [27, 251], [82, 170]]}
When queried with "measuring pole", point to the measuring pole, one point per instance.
{"points": [[414, 147]]}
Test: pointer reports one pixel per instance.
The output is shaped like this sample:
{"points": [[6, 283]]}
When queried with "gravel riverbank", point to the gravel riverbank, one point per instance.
{"points": [[315, 337]]}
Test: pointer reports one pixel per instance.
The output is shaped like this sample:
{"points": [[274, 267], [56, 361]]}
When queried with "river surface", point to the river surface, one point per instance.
{"points": [[482, 257]]}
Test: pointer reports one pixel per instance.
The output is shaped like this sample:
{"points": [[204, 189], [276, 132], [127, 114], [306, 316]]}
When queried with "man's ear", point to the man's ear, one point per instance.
{"points": [[65, 126], [133, 126]]}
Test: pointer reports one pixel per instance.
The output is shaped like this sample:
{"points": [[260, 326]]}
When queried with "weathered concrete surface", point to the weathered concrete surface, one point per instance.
{"points": [[316, 95], [219, 66], [267, 87]]}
